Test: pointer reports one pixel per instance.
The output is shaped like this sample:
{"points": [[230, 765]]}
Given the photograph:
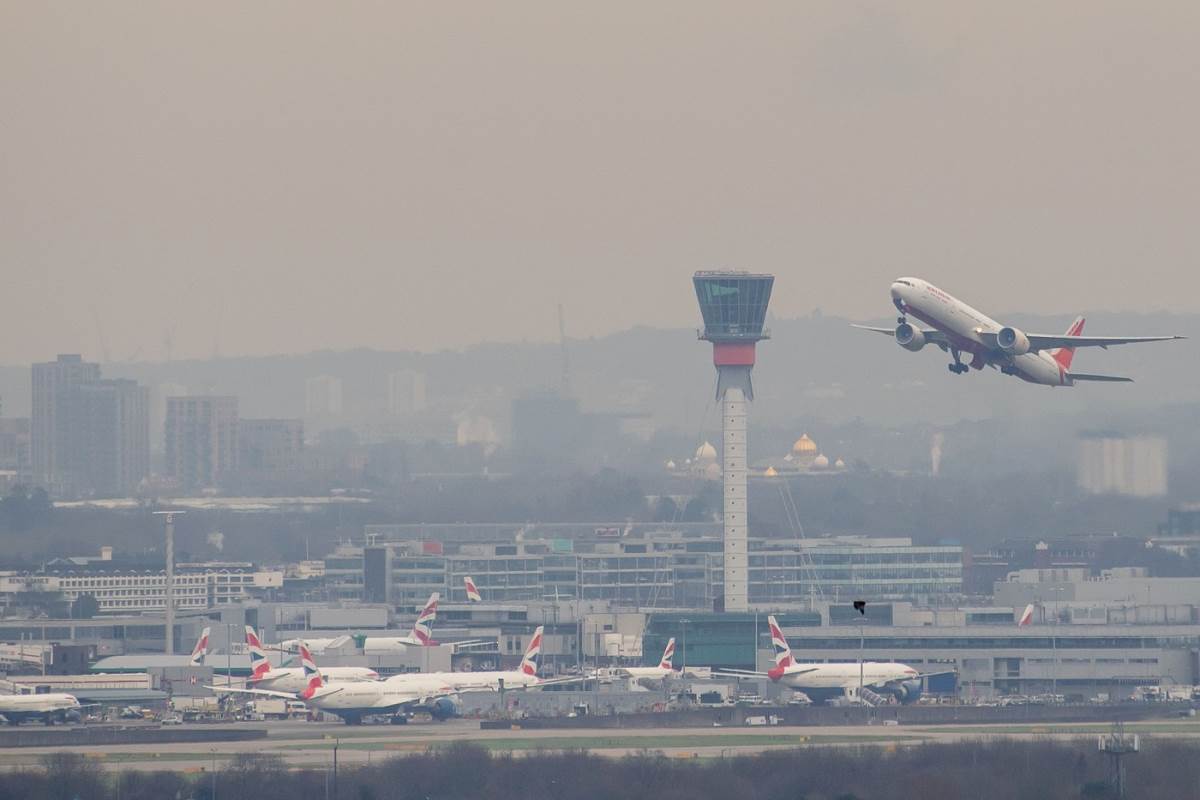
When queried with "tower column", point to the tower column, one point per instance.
{"points": [[733, 432]]}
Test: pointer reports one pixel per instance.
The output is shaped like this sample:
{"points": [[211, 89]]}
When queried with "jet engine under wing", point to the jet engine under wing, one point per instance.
{"points": [[932, 336], [1046, 341]]}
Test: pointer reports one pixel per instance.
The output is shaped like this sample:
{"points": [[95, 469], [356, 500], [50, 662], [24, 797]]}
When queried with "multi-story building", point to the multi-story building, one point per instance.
{"points": [[55, 426], [664, 570], [1128, 465], [114, 440], [89, 436], [15, 465], [201, 440], [122, 587], [270, 447], [406, 392], [323, 396]]}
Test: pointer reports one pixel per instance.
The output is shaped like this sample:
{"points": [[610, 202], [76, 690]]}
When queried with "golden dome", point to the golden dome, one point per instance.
{"points": [[771, 473], [706, 452], [821, 461], [804, 446]]}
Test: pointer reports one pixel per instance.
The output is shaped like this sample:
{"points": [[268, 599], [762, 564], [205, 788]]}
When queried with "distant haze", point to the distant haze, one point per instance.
{"points": [[282, 176]]}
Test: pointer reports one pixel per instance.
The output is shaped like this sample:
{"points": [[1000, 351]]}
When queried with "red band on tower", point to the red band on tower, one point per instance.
{"points": [[733, 354]]}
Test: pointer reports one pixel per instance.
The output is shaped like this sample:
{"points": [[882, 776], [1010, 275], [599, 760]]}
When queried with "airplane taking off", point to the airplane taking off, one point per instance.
{"points": [[957, 329]]}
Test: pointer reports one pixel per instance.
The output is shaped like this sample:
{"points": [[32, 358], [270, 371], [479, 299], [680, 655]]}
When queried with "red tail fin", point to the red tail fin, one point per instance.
{"points": [[1063, 355]]}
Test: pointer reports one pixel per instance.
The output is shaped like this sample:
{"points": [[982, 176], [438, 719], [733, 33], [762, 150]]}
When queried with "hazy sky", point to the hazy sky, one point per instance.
{"points": [[284, 176]]}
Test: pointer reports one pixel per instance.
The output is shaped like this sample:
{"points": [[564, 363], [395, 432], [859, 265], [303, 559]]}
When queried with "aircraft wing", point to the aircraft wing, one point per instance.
{"points": [[254, 692], [1047, 341], [1083, 376], [932, 336]]}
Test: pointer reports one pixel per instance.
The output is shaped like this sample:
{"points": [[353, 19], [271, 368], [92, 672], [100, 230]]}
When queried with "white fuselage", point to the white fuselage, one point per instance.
{"points": [[963, 325], [368, 696], [20, 705], [647, 673], [845, 676], [486, 681], [291, 679], [372, 644]]}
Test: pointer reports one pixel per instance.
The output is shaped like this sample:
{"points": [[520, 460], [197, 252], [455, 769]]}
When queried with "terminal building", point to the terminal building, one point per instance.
{"points": [[662, 569]]}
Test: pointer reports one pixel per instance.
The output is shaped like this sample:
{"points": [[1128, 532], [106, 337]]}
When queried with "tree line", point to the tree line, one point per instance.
{"points": [[983, 770]]}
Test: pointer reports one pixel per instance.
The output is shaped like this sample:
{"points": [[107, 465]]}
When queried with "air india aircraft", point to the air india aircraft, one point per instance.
{"points": [[957, 328]]}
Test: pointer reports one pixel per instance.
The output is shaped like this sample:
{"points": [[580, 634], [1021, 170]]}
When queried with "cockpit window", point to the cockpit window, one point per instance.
{"points": [[904, 283]]}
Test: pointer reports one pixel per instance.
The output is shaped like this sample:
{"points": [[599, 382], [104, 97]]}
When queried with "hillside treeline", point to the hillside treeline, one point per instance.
{"points": [[1016, 770]]}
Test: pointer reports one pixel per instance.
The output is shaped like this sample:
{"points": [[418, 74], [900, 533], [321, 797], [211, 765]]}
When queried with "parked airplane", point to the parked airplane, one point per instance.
{"points": [[200, 651], [824, 682], [292, 679], [353, 700], [663, 671], [473, 594], [50, 708], [421, 635], [958, 328]]}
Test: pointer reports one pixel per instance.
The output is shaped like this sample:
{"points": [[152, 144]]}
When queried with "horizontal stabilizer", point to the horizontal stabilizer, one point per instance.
{"points": [[1082, 376]]}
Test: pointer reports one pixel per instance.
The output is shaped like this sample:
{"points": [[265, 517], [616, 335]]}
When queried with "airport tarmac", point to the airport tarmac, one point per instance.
{"points": [[310, 744]]}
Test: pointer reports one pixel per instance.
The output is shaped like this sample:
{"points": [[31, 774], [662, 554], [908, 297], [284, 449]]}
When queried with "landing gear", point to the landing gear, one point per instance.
{"points": [[399, 719], [901, 320], [353, 719], [958, 368]]}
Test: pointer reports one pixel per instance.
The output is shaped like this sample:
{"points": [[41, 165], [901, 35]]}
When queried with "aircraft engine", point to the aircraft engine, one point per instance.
{"points": [[909, 338], [908, 691], [444, 708], [1012, 341]]}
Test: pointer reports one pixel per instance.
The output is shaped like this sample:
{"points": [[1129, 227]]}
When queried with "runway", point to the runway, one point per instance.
{"points": [[311, 744]]}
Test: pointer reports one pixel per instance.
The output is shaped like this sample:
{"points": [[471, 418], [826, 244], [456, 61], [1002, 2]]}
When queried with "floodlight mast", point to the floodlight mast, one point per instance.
{"points": [[169, 589]]}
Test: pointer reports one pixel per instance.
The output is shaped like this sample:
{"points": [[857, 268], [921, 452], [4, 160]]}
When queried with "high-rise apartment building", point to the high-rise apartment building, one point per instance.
{"points": [[201, 440], [406, 392], [270, 446], [54, 424], [112, 452], [88, 435], [323, 396]]}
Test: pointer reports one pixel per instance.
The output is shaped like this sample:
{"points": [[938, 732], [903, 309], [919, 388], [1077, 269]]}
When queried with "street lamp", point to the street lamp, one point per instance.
{"points": [[684, 623]]}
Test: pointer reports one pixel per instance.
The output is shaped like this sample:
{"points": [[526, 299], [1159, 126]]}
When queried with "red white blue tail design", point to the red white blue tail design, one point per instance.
{"points": [[473, 594], [668, 655], [529, 664], [312, 675], [259, 664], [422, 629], [783, 653], [1063, 355], [201, 649]]}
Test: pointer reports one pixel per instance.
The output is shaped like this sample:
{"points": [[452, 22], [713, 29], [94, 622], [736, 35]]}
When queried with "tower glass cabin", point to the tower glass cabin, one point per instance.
{"points": [[734, 308]]}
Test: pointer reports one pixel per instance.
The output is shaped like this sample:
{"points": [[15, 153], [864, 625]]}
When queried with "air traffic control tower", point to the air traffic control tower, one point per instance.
{"points": [[734, 308]]}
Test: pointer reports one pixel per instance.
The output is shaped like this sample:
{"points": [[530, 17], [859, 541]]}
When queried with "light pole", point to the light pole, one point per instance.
{"points": [[684, 623], [336, 742], [169, 589], [1054, 644], [228, 654], [214, 773]]}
